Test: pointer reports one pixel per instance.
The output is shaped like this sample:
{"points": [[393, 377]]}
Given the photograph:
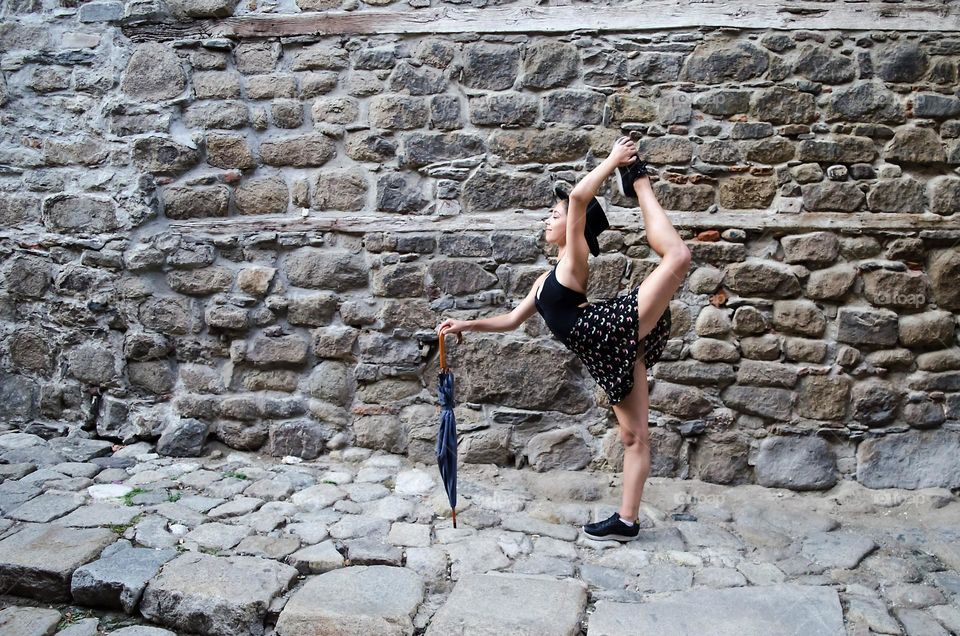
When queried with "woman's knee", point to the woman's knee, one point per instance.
{"points": [[638, 437]]}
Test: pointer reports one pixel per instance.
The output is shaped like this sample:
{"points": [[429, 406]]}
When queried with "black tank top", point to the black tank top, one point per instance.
{"points": [[559, 306]]}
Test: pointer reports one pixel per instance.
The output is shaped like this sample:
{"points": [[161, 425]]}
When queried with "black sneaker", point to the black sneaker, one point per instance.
{"points": [[626, 175], [613, 528]]}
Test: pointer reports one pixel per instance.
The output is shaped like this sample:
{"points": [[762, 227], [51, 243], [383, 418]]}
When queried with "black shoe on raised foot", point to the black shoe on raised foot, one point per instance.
{"points": [[626, 175], [613, 528]]}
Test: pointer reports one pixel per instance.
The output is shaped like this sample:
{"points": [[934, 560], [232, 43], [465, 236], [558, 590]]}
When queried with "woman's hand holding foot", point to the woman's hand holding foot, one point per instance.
{"points": [[623, 153]]}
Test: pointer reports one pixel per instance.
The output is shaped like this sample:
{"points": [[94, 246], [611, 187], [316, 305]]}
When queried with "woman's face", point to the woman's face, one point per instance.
{"points": [[556, 224]]}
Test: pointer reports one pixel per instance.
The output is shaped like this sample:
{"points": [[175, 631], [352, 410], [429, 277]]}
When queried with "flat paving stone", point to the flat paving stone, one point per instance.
{"points": [[117, 581], [414, 482], [541, 564], [154, 532], [42, 476], [82, 627], [532, 525], [664, 578], [215, 595], [837, 549], [872, 612], [317, 559], [409, 534], [391, 508], [142, 630], [703, 534], [38, 560], [16, 471], [235, 507], [46, 507], [271, 489], [28, 621], [108, 491], [739, 611], [761, 573], [98, 515], [362, 492], [478, 555], [359, 526], [429, 563], [318, 497], [372, 551], [13, 494], [497, 604], [948, 615], [354, 601], [217, 536], [919, 623], [269, 547], [80, 449]]}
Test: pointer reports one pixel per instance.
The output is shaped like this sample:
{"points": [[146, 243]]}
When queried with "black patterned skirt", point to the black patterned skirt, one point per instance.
{"points": [[605, 339]]}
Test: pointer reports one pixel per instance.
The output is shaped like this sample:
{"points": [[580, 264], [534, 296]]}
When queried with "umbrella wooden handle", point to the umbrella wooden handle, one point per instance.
{"points": [[443, 352]]}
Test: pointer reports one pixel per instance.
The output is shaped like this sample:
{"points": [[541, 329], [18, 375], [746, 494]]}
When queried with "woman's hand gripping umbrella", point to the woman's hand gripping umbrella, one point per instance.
{"points": [[447, 435]]}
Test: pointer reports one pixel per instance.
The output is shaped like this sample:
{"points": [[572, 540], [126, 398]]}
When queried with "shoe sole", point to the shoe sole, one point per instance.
{"points": [[611, 537], [621, 173]]}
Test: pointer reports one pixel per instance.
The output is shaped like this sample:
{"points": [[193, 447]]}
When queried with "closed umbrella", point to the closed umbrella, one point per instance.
{"points": [[447, 436]]}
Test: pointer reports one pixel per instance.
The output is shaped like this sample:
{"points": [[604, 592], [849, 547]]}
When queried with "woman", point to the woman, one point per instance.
{"points": [[607, 335]]}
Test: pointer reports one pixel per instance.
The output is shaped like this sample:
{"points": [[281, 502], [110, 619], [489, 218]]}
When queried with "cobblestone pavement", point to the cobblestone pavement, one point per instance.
{"points": [[129, 543]]}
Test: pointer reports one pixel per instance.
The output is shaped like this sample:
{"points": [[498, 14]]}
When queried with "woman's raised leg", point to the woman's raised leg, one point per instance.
{"points": [[656, 290]]}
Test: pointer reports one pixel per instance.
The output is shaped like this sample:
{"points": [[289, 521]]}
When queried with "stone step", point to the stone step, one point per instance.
{"points": [[354, 601], [494, 604], [38, 560], [787, 608]]}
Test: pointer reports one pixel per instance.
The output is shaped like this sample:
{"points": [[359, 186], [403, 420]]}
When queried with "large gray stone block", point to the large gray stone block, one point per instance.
{"points": [[39, 560], [915, 459], [354, 601], [741, 611], [494, 604], [117, 581], [221, 596]]}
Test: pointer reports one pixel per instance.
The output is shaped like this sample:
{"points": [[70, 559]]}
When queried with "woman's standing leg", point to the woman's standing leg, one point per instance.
{"points": [[632, 413]]}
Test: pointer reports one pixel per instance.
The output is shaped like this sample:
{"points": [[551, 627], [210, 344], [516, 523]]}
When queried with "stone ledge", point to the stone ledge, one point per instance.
{"points": [[620, 218], [651, 15]]}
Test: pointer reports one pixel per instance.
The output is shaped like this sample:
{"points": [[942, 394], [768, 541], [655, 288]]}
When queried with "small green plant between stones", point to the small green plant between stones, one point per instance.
{"points": [[174, 496], [74, 615], [120, 528], [128, 498], [235, 475]]}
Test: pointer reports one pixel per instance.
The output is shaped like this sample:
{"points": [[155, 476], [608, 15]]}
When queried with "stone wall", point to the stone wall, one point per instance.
{"points": [[253, 239]]}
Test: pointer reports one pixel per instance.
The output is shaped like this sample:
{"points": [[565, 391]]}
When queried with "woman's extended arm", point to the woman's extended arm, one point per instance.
{"points": [[503, 322]]}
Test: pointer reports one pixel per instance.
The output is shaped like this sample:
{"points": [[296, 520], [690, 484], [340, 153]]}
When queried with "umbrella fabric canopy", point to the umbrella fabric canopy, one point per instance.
{"points": [[447, 436]]}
